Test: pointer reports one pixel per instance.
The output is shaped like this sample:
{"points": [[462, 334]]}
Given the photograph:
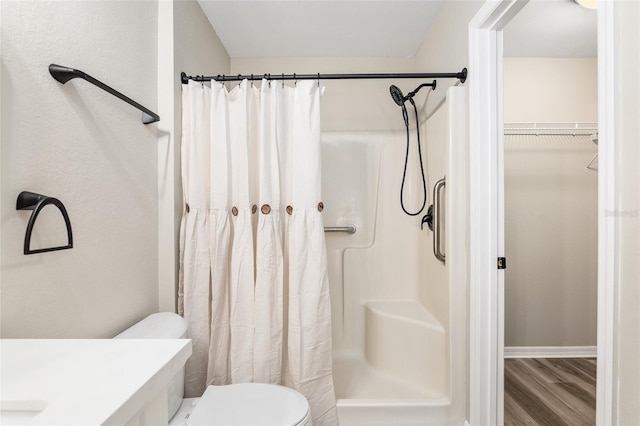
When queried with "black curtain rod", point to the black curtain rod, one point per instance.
{"points": [[462, 76]]}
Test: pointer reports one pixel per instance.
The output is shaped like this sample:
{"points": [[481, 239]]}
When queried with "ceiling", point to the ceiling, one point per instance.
{"points": [[321, 28], [374, 28], [552, 29]]}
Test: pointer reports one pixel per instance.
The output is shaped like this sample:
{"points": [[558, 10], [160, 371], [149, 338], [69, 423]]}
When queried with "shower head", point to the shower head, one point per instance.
{"points": [[400, 98], [397, 95]]}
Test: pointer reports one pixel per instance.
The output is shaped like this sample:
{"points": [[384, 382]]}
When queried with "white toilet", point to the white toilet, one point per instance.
{"points": [[247, 404]]}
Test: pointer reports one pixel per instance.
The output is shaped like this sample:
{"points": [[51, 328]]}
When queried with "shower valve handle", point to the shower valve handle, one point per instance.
{"points": [[427, 218]]}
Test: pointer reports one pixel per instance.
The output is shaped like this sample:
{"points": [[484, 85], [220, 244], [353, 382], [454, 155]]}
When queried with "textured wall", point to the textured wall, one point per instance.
{"points": [[551, 218], [88, 149]]}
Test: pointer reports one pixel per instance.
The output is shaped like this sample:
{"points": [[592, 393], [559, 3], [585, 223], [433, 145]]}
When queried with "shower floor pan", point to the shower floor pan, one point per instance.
{"points": [[400, 377]]}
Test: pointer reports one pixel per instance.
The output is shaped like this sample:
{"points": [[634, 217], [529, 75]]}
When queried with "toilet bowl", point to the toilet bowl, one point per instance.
{"points": [[245, 404]]}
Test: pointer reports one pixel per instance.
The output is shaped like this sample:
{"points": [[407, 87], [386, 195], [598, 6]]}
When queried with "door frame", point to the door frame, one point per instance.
{"points": [[486, 213]]}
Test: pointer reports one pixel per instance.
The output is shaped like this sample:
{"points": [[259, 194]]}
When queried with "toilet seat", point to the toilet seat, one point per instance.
{"points": [[250, 404]]}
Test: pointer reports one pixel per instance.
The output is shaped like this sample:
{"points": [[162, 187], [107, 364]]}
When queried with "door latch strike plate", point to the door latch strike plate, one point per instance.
{"points": [[502, 263]]}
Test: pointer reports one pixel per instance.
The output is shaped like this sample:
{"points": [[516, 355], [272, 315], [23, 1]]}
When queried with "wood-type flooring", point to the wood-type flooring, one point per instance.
{"points": [[550, 391]]}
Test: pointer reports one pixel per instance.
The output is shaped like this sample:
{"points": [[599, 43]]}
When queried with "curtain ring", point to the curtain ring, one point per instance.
{"points": [[295, 83], [318, 79], [251, 80], [283, 80], [269, 79], [239, 79]]}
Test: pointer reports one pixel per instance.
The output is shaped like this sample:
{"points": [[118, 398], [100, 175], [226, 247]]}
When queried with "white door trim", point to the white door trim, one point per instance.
{"points": [[486, 241], [608, 241], [486, 291]]}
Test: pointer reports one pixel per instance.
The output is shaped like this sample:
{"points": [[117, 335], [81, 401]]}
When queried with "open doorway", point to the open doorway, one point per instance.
{"points": [[617, 348], [551, 214]]}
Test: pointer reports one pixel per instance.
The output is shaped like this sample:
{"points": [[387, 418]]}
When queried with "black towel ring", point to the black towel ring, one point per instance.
{"points": [[36, 202]]}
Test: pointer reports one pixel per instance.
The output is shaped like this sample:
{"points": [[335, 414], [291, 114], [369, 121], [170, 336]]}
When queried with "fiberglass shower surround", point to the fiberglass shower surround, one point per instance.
{"points": [[398, 313], [264, 221]]}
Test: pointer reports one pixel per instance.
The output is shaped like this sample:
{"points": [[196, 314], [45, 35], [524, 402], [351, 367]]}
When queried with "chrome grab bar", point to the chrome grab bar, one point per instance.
{"points": [[437, 215], [349, 229]]}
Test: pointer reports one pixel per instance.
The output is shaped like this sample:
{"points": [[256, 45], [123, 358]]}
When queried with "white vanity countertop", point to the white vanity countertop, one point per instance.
{"points": [[88, 381]]}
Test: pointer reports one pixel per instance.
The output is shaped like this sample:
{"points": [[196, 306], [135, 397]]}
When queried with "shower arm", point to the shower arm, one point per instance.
{"points": [[412, 94]]}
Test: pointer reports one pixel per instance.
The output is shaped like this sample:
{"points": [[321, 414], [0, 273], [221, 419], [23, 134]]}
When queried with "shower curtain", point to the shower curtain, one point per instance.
{"points": [[253, 272]]}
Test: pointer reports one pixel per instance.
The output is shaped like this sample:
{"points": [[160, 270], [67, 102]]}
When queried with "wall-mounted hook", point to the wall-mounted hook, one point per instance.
{"points": [[36, 202]]}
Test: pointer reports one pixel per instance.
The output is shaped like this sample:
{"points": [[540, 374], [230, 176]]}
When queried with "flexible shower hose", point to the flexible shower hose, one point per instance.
{"points": [[405, 115]]}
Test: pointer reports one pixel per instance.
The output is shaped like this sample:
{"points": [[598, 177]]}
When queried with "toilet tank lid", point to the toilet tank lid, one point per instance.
{"points": [[163, 325]]}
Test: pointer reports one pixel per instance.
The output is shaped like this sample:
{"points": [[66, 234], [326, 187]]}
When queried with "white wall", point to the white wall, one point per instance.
{"points": [[551, 218], [90, 150], [446, 46], [187, 43], [550, 205], [627, 128], [548, 90]]}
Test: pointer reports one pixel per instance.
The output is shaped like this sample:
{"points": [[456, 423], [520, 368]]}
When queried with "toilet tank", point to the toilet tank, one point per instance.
{"points": [[163, 325]]}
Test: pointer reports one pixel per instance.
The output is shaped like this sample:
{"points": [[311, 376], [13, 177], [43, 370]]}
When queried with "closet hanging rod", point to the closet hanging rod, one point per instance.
{"points": [[63, 74], [462, 76]]}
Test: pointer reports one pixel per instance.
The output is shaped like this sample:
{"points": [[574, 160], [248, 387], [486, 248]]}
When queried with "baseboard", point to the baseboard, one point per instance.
{"points": [[550, 351]]}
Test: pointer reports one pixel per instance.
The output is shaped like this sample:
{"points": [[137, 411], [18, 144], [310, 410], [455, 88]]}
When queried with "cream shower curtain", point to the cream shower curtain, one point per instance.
{"points": [[253, 273]]}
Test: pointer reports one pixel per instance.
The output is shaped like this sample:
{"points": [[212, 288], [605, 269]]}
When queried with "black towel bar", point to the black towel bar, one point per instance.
{"points": [[64, 74], [36, 202]]}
